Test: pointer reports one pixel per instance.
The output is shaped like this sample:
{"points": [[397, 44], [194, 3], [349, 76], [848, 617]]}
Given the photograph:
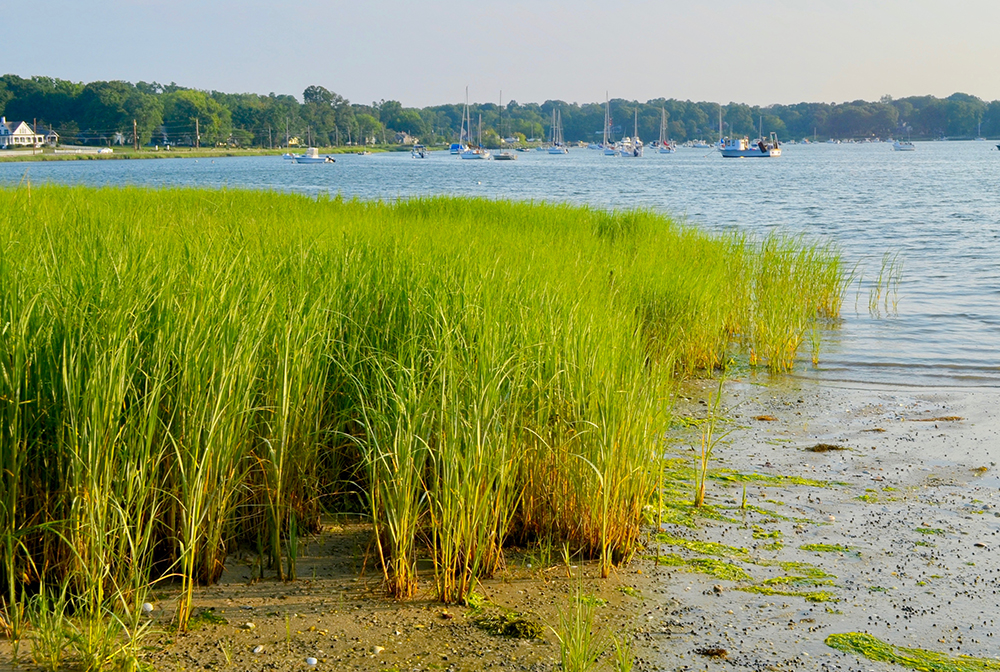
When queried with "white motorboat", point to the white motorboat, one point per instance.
{"points": [[632, 146], [903, 146], [312, 155], [419, 152], [701, 144], [742, 148]]}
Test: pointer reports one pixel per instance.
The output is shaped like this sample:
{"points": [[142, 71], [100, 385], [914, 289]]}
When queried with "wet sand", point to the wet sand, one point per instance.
{"points": [[914, 501], [915, 498]]}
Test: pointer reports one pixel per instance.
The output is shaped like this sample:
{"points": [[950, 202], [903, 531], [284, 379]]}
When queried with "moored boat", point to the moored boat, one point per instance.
{"points": [[312, 155], [632, 146], [903, 146], [557, 146], [502, 155], [477, 152], [666, 147], [742, 148]]}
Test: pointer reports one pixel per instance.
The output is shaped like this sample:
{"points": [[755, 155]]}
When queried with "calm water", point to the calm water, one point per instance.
{"points": [[937, 208]]}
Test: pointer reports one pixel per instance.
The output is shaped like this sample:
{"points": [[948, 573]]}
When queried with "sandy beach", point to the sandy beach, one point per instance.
{"points": [[898, 514]]}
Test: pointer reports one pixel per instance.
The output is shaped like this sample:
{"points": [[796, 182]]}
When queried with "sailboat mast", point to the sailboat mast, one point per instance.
{"points": [[607, 118], [466, 131]]}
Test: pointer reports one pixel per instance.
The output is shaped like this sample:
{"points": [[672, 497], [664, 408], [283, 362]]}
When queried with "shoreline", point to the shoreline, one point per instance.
{"points": [[22, 156], [899, 472]]}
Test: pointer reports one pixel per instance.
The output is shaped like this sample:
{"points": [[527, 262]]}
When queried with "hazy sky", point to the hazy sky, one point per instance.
{"points": [[424, 53]]}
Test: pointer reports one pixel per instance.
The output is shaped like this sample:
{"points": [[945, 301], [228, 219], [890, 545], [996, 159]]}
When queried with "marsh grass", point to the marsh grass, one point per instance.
{"points": [[184, 371], [581, 641], [710, 439], [883, 294]]}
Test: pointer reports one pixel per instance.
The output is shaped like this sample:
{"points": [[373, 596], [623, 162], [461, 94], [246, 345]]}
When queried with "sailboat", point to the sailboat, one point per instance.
{"points": [[979, 133], [557, 146], [465, 132], [503, 156], [477, 152], [666, 147], [721, 142], [609, 149]]}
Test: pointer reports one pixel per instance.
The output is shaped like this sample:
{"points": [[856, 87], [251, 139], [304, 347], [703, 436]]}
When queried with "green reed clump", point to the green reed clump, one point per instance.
{"points": [[183, 371]]}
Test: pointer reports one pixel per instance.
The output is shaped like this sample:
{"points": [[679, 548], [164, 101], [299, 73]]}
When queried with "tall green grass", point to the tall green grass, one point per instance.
{"points": [[183, 371]]}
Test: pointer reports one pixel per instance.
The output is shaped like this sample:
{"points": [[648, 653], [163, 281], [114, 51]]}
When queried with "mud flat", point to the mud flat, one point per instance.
{"points": [[901, 542], [832, 509]]}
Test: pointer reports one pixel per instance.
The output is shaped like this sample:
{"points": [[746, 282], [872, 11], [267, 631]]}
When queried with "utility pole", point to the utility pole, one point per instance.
{"points": [[34, 130], [135, 136], [286, 132], [270, 142], [197, 134]]}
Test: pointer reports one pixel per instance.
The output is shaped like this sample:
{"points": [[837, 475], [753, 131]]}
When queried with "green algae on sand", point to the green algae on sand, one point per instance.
{"points": [[917, 659]]}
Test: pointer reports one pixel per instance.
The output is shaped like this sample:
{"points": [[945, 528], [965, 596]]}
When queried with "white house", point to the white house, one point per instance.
{"points": [[20, 134]]}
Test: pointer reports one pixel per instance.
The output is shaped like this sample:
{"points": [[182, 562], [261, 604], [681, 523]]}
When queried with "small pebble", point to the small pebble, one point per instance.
{"points": [[249, 625], [831, 518], [258, 649], [311, 662], [377, 649], [147, 608]]}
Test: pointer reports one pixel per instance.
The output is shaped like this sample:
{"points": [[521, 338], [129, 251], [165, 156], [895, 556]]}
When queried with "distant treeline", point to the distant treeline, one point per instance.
{"points": [[107, 112]]}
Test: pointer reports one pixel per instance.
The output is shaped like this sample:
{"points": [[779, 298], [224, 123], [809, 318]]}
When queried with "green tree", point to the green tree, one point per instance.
{"points": [[491, 139], [367, 127], [187, 110], [110, 108]]}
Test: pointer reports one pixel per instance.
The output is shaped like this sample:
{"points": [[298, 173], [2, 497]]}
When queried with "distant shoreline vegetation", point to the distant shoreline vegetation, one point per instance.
{"points": [[119, 113]]}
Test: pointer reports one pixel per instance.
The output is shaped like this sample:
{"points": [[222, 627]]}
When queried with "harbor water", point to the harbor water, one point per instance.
{"points": [[934, 211]]}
